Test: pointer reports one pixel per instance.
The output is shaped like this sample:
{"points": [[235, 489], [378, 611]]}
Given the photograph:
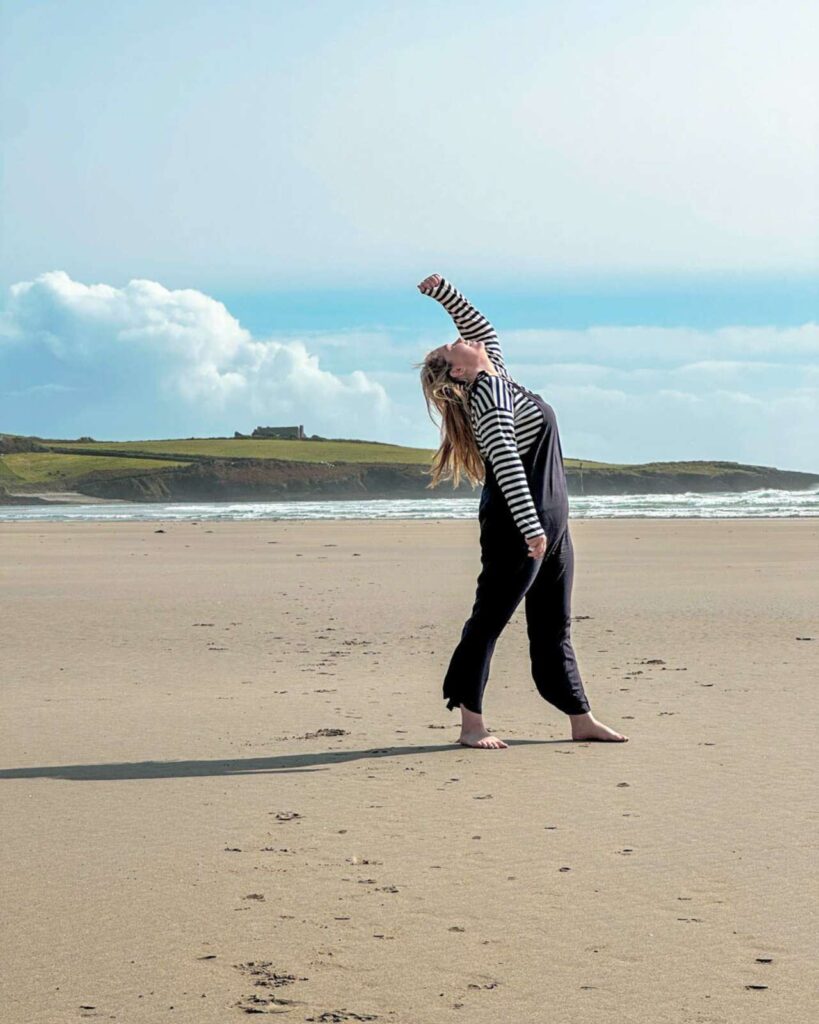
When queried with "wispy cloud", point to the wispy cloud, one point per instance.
{"points": [[38, 389]]}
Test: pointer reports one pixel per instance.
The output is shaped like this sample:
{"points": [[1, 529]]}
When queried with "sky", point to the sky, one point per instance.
{"points": [[213, 217]]}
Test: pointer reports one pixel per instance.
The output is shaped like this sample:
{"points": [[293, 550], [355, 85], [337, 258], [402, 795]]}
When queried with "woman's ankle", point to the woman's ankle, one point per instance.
{"points": [[471, 720]]}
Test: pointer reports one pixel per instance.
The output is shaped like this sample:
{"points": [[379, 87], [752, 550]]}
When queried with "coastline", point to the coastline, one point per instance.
{"points": [[267, 480]]}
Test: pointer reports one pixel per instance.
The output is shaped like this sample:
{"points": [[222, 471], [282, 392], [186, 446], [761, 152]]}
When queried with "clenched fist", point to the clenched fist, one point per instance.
{"points": [[537, 547], [429, 284]]}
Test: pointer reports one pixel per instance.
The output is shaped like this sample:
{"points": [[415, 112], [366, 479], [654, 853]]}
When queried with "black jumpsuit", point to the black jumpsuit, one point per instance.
{"points": [[508, 573]]}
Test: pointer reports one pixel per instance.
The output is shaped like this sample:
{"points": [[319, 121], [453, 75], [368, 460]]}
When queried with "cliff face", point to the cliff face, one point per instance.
{"points": [[278, 480], [10, 443], [265, 480], [738, 479]]}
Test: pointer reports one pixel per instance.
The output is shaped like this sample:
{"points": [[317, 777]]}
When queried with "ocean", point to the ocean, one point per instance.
{"points": [[762, 504]]}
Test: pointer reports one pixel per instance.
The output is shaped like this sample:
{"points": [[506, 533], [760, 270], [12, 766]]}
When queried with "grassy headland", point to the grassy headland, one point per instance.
{"points": [[230, 469]]}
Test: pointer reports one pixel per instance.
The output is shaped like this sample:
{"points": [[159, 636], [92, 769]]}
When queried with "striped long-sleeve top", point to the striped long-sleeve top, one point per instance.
{"points": [[504, 419]]}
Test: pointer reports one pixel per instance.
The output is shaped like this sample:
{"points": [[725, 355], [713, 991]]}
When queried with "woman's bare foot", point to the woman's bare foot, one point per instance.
{"points": [[475, 734], [484, 740], [586, 727]]}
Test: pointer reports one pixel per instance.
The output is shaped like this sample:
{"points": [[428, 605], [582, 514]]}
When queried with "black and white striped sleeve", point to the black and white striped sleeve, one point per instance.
{"points": [[492, 402], [472, 325]]}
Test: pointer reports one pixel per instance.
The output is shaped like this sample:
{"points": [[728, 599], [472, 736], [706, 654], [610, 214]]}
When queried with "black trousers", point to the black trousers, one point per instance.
{"points": [[508, 575]]}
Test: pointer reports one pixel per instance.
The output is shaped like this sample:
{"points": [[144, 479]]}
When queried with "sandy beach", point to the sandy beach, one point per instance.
{"points": [[229, 783]]}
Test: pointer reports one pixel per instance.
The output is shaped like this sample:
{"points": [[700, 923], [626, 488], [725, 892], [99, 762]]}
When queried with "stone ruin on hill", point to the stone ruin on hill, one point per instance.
{"points": [[280, 433]]}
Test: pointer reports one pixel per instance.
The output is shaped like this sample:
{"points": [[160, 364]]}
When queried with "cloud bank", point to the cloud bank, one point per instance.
{"points": [[745, 394], [143, 361]]}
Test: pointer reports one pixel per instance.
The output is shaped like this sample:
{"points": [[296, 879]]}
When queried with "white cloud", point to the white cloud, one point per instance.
{"points": [[180, 348], [772, 426]]}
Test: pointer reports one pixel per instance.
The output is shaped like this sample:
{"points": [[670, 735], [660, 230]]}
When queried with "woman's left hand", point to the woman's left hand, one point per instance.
{"points": [[537, 547], [429, 284]]}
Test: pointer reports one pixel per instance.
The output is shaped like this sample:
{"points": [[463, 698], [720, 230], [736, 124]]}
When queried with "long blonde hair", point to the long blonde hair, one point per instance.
{"points": [[458, 454]]}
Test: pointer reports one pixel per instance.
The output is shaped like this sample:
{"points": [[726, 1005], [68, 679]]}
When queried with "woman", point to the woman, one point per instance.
{"points": [[496, 431]]}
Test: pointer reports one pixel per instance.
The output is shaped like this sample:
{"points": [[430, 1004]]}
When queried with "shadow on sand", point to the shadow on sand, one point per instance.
{"points": [[318, 761]]}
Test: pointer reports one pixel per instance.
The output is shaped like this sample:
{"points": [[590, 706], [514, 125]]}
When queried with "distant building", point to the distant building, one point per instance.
{"points": [[282, 433]]}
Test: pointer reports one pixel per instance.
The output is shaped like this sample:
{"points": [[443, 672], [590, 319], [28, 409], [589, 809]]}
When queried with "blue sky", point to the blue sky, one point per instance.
{"points": [[214, 215]]}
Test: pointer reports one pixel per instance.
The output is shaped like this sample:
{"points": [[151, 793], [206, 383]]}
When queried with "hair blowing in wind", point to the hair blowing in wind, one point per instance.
{"points": [[458, 453]]}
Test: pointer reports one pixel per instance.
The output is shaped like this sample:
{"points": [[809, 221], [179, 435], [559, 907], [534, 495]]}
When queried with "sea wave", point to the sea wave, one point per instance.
{"points": [[761, 504]]}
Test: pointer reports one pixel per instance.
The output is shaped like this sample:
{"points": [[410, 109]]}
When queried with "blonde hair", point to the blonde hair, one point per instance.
{"points": [[458, 454]]}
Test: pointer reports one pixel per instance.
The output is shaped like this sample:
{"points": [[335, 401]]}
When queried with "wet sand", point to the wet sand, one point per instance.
{"points": [[230, 786]]}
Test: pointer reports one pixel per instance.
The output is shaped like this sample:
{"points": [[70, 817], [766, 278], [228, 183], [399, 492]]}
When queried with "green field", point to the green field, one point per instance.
{"points": [[241, 448], [288, 451], [7, 474], [49, 467]]}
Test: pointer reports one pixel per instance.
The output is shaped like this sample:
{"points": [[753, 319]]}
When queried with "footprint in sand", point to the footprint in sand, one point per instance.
{"points": [[340, 1016], [323, 732], [263, 976]]}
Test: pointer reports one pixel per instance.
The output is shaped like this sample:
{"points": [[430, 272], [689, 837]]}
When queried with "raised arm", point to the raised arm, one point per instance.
{"points": [[495, 432], [472, 325]]}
